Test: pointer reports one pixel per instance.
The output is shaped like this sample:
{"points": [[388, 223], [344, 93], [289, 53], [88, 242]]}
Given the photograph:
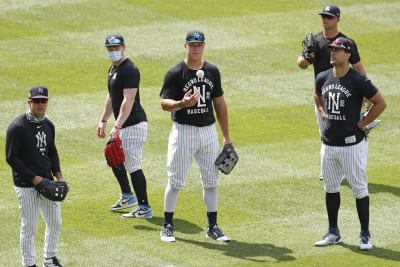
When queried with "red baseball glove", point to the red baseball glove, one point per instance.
{"points": [[113, 151]]}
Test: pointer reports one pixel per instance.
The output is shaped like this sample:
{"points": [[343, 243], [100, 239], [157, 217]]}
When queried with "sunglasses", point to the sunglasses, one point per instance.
{"points": [[327, 17], [40, 100]]}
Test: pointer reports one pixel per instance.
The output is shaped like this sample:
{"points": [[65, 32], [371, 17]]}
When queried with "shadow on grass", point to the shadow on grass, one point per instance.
{"points": [[381, 188], [180, 226], [235, 248], [378, 188], [377, 252], [246, 251]]}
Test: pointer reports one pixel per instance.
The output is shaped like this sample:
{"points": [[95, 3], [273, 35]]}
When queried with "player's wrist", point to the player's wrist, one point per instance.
{"points": [[181, 104]]}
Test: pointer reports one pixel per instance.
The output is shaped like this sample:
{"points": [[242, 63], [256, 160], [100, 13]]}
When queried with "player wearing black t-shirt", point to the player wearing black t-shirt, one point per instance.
{"points": [[330, 17], [191, 91], [339, 94], [123, 101]]}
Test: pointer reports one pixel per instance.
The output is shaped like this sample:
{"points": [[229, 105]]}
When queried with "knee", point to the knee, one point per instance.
{"points": [[360, 193]]}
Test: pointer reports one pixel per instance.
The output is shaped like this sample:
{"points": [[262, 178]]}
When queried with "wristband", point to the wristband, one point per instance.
{"points": [[103, 121], [181, 105]]}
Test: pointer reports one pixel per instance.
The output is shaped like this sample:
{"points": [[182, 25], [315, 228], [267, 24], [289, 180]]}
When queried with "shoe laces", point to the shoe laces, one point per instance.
{"points": [[216, 231], [168, 230]]}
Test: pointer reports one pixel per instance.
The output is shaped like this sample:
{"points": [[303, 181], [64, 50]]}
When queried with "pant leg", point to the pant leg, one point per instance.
{"points": [[51, 213], [28, 203]]}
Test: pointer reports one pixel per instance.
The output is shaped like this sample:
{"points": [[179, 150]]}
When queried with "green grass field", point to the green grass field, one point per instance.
{"points": [[272, 204]]}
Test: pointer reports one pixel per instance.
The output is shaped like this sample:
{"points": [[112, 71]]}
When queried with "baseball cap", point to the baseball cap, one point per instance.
{"points": [[330, 10], [114, 40], [195, 36], [343, 43], [38, 91]]}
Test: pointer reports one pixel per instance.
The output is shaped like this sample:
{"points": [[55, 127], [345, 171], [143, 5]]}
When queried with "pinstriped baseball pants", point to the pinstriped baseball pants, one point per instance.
{"points": [[187, 142], [133, 139], [348, 160], [30, 203]]}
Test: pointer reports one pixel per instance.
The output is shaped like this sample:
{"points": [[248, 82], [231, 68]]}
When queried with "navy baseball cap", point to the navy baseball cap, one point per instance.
{"points": [[331, 10], [38, 91], [195, 36], [114, 40], [343, 43]]}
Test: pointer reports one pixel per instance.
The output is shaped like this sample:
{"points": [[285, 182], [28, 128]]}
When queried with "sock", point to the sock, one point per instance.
{"points": [[140, 187], [363, 213], [332, 201], [168, 218], [122, 178], [212, 218]]}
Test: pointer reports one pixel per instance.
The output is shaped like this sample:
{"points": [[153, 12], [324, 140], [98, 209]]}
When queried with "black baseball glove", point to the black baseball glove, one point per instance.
{"points": [[55, 191], [309, 46], [227, 159]]}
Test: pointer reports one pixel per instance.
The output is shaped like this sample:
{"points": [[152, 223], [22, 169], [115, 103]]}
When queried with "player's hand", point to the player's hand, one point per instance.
{"points": [[114, 131], [190, 99], [101, 129]]}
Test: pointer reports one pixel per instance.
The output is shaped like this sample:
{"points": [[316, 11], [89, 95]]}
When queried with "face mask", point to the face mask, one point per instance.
{"points": [[114, 55]]}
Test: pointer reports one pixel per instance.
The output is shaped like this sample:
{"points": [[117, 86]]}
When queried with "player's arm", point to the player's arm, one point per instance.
{"points": [[173, 105], [302, 62], [320, 104], [125, 109], [379, 105], [221, 111], [104, 117], [360, 69]]}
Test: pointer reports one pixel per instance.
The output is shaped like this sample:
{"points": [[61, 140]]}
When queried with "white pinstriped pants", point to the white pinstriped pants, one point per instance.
{"points": [[187, 142], [133, 139], [348, 160], [30, 203]]}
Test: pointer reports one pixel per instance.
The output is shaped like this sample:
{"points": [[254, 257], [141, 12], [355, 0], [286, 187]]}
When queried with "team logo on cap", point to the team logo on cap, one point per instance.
{"points": [[113, 40]]}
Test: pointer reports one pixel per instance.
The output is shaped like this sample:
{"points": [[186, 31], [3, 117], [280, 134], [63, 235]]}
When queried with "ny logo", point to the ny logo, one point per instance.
{"points": [[41, 139], [202, 99]]}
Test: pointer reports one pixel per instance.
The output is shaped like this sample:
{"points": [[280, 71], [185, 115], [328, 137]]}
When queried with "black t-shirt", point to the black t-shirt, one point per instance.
{"points": [[180, 79], [125, 76], [324, 52], [343, 99], [30, 150]]}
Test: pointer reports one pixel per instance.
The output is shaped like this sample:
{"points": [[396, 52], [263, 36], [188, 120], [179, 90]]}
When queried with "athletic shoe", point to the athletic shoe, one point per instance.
{"points": [[321, 177], [216, 234], [51, 262], [142, 211], [124, 203], [167, 233], [32, 265], [365, 241], [330, 238]]}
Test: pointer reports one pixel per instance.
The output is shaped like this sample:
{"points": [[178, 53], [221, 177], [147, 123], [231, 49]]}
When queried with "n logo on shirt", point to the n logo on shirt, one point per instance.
{"points": [[202, 99], [333, 102]]}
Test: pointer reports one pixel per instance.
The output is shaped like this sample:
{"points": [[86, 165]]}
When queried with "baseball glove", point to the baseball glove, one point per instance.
{"points": [[55, 191], [309, 46], [113, 152], [227, 159]]}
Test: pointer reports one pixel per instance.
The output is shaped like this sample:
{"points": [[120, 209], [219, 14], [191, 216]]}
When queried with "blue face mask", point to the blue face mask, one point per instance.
{"points": [[114, 55]]}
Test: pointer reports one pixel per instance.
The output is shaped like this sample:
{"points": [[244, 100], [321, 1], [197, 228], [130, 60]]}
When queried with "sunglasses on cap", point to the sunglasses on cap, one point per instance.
{"points": [[40, 100], [327, 17]]}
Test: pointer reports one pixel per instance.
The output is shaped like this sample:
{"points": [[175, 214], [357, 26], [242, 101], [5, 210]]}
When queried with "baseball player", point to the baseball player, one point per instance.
{"points": [[339, 94], [191, 91], [123, 100], [32, 155], [320, 59]]}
